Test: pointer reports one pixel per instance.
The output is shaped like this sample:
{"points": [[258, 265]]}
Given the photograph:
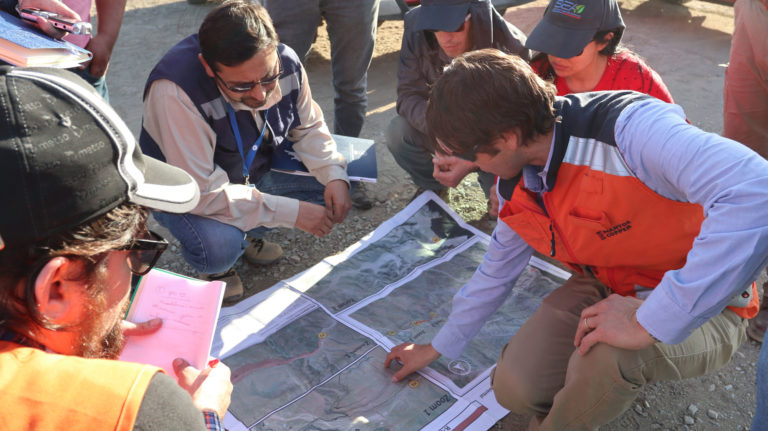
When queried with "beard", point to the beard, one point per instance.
{"points": [[92, 343]]}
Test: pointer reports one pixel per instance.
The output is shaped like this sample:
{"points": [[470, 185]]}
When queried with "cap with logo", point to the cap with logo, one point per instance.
{"points": [[568, 26], [442, 15], [66, 157]]}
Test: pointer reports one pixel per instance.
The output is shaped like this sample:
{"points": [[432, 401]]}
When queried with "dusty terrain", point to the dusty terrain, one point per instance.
{"points": [[687, 44]]}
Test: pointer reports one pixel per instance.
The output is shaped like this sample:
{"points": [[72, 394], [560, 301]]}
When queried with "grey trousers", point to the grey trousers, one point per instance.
{"points": [[352, 31], [410, 148], [540, 372]]}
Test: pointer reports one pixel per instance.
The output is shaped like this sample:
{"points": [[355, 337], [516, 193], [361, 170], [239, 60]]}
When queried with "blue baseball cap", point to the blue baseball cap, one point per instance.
{"points": [[568, 26]]}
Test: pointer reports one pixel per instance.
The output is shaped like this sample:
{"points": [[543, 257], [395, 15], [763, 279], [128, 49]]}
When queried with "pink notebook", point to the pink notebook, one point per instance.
{"points": [[189, 309]]}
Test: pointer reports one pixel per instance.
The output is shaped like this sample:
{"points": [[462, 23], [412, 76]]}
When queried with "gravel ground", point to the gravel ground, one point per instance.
{"points": [[672, 38]]}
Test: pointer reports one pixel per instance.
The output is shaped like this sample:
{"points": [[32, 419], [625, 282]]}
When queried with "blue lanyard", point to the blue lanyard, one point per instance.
{"points": [[247, 160]]}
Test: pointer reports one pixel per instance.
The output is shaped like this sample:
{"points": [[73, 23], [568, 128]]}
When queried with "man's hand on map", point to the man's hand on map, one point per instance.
{"points": [[211, 388], [612, 321], [413, 357], [313, 219]]}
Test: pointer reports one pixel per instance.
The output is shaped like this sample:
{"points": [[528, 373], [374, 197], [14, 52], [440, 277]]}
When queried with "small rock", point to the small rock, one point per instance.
{"points": [[692, 409], [712, 388], [741, 355], [728, 387], [688, 420], [713, 414], [656, 427], [638, 409], [646, 404], [738, 368]]}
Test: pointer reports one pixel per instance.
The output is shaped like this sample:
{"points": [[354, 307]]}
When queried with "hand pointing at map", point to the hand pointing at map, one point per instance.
{"points": [[413, 357]]}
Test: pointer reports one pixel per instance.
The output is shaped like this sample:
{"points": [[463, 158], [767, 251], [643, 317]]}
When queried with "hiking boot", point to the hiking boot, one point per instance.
{"points": [[234, 290], [360, 197], [262, 252], [757, 325]]}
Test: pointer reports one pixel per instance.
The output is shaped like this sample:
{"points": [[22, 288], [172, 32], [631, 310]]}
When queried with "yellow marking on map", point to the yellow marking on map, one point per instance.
{"points": [[413, 384], [392, 333], [435, 238], [322, 335], [416, 322], [432, 314]]}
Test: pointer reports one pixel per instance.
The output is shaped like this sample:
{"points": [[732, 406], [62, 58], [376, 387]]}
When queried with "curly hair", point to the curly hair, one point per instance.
{"points": [[88, 243]]}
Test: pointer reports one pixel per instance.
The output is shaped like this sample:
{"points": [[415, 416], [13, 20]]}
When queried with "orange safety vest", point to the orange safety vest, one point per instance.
{"points": [[627, 234], [45, 391]]}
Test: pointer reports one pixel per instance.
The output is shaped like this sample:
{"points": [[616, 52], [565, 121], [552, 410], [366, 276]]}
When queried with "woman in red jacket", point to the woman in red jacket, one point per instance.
{"points": [[578, 47]]}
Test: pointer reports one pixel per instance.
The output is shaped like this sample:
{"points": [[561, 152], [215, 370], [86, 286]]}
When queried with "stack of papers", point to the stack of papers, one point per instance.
{"points": [[22, 44]]}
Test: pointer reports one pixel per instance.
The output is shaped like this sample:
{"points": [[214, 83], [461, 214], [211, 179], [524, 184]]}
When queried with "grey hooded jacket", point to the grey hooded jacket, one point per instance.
{"points": [[422, 60]]}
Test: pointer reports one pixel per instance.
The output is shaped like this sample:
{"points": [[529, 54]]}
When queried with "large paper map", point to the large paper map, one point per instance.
{"points": [[308, 354]]}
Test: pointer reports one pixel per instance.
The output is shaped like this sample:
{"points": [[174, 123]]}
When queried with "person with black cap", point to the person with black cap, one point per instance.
{"points": [[434, 33], [578, 49], [76, 193]]}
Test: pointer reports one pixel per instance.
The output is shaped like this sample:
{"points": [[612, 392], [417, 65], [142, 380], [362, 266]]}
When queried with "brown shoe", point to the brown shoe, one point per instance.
{"points": [[234, 286], [757, 326], [262, 252]]}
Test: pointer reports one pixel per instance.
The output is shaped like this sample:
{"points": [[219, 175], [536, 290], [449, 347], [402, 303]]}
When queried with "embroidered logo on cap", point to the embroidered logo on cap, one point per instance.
{"points": [[568, 8]]}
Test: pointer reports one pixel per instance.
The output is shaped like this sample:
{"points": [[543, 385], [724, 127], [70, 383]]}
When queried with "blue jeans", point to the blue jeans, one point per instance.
{"points": [[352, 31], [211, 246], [99, 83], [760, 422]]}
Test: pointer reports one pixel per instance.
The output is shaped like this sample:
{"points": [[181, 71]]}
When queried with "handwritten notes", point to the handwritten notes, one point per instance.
{"points": [[189, 309]]}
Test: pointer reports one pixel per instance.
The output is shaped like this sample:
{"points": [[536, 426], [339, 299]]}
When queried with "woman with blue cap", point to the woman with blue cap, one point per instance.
{"points": [[578, 45]]}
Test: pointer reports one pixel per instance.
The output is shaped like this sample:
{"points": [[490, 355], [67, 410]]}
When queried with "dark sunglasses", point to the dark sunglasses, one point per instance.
{"points": [[248, 86], [145, 252]]}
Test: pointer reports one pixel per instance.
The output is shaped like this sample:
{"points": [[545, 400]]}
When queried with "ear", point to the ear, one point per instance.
{"points": [[58, 298], [606, 40], [510, 140], [206, 66]]}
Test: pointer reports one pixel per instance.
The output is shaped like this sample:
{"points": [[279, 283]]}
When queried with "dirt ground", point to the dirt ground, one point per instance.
{"points": [[687, 44]]}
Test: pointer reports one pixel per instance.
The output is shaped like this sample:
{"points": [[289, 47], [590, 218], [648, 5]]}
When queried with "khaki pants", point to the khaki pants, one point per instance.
{"points": [[540, 372]]}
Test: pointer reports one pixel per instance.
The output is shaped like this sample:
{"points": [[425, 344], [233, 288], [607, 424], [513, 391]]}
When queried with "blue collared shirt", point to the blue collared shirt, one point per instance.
{"points": [[677, 161]]}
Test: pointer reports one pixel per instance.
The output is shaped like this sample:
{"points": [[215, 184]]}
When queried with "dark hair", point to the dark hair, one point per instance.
{"points": [[613, 44], [614, 47], [234, 32], [485, 93], [89, 243]]}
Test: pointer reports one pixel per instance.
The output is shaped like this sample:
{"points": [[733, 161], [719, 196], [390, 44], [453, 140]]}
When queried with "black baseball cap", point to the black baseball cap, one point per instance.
{"points": [[66, 157], [442, 15], [568, 26]]}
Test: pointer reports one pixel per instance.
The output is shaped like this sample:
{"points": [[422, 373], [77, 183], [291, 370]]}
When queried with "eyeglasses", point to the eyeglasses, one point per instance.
{"points": [[248, 86], [145, 252]]}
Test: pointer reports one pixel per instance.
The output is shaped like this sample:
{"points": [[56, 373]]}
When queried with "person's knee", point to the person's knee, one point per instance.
{"points": [[395, 134], [207, 245], [626, 369], [518, 388]]}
